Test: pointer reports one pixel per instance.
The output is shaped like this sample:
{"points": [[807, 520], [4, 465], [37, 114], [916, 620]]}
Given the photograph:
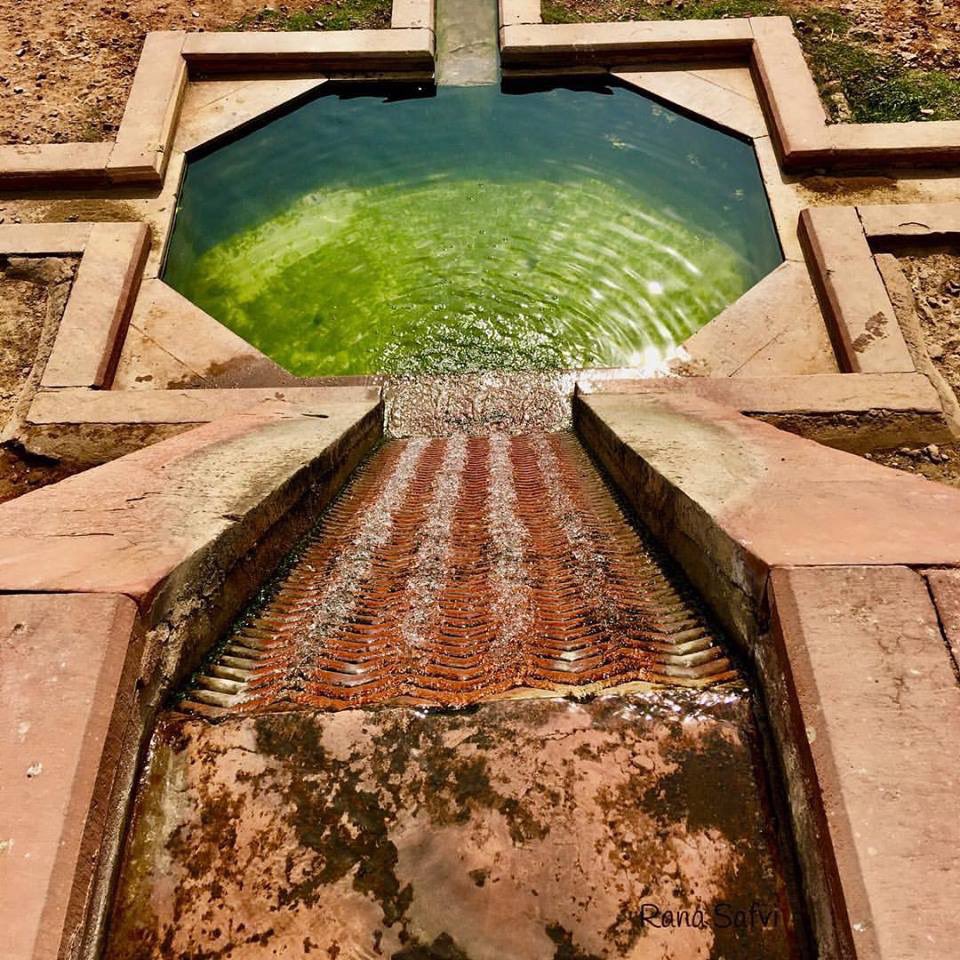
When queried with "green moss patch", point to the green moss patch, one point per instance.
{"points": [[856, 83], [331, 15]]}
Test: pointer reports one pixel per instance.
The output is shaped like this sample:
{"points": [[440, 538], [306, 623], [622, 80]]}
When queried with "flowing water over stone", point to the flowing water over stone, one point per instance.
{"points": [[456, 569], [454, 229]]}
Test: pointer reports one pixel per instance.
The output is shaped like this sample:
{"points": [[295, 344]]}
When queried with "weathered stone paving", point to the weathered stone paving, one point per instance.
{"points": [[457, 569], [530, 830]]}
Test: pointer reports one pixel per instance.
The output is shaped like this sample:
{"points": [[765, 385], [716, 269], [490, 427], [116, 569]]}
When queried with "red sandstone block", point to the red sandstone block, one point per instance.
{"points": [[67, 669], [945, 590], [97, 312], [878, 736], [736, 497], [862, 320], [198, 501]]}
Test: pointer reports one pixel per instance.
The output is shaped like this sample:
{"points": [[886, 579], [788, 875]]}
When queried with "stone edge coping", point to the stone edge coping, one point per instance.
{"points": [[141, 150], [895, 655], [787, 91], [838, 245], [133, 604], [860, 316]]}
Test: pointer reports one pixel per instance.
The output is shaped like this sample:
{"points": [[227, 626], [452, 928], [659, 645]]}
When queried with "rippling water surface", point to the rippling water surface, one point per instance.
{"points": [[471, 228]]}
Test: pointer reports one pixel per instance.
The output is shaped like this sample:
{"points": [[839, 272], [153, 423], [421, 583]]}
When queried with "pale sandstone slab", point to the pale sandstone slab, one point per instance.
{"points": [[901, 144], [787, 89], [47, 164], [203, 122], [157, 519], [146, 130], [816, 393], [934, 221], [67, 664], [785, 204], [43, 239], [96, 314], [945, 589], [737, 80], [862, 321], [413, 13], [213, 354], [183, 406], [774, 329], [145, 365], [700, 96], [380, 49], [519, 11], [878, 743], [609, 43], [734, 496]]}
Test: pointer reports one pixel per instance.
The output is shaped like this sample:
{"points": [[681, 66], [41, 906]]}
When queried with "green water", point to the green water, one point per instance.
{"points": [[470, 228]]}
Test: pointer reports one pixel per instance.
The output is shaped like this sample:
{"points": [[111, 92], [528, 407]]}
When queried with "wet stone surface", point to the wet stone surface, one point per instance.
{"points": [[522, 829]]}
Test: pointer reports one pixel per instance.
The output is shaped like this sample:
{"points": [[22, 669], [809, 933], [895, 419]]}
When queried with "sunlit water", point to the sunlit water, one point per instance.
{"points": [[472, 229]]}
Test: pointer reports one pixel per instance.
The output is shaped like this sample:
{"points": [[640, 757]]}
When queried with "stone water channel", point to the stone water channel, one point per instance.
{"points": [[476, 715]]}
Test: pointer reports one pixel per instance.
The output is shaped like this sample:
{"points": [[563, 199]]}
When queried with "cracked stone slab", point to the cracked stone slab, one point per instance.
{"points": [[530, 829]]}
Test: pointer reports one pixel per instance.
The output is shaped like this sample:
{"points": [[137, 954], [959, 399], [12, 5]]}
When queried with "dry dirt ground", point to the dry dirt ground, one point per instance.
{"points": [[32, 295], [921, 32], [66, 65], [934, 275]]}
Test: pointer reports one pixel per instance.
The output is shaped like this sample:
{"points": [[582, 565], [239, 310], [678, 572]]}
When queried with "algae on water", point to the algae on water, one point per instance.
{"points": [[504, 243]]}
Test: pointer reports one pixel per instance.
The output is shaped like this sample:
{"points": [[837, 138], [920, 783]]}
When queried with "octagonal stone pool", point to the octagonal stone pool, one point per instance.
{"points": [[414, 229]]}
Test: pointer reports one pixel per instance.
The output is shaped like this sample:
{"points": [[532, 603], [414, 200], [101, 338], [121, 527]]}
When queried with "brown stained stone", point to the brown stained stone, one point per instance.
{"points": [[414, 13], [86, 348], [929, 221], [202, 349], [944, 588], [733, 497], [878, 740], [788, 91], [344, 49], [43, 239], [146, 130], [700, 96], [49, 164], [204, 119], [862, 321], [774, 329], [165, 514], [67, 664], [531, 829]]}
